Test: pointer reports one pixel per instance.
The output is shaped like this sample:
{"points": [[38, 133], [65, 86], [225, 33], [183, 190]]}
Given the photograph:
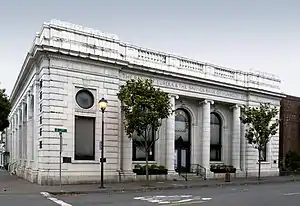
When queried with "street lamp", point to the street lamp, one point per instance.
{"points": [[102, 105]]}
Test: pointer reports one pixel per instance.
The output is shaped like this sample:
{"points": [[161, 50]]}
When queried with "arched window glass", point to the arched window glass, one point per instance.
{"points": [[215, 137], [181, 125]]}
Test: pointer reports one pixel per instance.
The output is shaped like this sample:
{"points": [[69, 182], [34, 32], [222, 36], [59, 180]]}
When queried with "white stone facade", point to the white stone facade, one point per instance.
{"points": [[65, 58]]}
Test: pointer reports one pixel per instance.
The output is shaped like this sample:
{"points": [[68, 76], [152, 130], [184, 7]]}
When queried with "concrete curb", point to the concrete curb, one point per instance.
{"points": [[170, 187]]}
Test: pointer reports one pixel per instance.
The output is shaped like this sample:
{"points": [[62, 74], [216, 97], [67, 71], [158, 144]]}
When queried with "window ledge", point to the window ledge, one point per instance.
{"points": [[85, 162], [216, 162], [143, 162], [264, 163]]}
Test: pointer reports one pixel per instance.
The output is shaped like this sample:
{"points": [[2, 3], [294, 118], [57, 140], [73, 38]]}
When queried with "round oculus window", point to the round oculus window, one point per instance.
{"points": [[85, 99]]}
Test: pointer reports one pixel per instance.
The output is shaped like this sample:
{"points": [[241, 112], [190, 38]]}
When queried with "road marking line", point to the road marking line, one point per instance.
{"points": [[53, 199], [289, 194], [186, 203], [206, 198]]}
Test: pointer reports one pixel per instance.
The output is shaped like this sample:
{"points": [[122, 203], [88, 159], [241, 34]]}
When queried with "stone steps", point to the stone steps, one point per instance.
{"points": [[190, 176]]}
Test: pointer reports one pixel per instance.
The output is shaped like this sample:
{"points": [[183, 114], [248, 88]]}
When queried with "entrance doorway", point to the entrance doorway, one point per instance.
{"points": [[182, 141]]}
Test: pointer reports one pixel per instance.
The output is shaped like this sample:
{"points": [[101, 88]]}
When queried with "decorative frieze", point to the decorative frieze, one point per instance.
{"points": [[186, 87], [259, 99]]}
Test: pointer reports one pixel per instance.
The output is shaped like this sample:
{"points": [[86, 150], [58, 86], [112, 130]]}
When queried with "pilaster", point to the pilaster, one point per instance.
{"points": [[15, 139], [236, 137], [243, 148], [35, 132], [196, 143], [127, 154], [24, 127], [20, 135], [29, 127]]}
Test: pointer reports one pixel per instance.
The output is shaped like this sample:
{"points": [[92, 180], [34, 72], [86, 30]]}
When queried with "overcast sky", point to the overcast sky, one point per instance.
{"points": [[260, 34]]}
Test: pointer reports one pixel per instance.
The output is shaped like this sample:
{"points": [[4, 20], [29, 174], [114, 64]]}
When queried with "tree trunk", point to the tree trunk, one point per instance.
{"points": [[259, 164], [147, 157]]}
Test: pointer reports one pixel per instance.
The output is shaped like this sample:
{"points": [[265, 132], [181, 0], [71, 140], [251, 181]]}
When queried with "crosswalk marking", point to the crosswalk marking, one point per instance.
{"points": [[173, 199]]}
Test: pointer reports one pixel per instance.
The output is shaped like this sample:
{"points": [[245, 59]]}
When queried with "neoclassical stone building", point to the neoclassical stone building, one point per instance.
{"points": [[70, 67]]}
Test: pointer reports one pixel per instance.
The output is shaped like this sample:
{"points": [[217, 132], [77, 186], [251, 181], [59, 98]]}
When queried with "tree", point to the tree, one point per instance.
{"points": [[262, 125], [144, 106], [5, 108]]}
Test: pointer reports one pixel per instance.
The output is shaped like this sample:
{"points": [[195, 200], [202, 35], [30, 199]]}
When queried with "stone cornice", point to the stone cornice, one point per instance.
{"points": [[123, 54]]}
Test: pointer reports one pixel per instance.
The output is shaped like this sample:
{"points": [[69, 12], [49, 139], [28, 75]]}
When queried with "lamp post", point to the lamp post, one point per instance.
{"points": [[102, 105]]}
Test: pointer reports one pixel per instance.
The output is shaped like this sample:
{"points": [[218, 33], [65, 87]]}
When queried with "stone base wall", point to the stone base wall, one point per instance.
{"points": [[52, 177], [245, 174], [32, 176]]}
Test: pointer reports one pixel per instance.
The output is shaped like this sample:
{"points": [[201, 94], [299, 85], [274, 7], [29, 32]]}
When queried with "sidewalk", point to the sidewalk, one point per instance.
{"points": [[143, 186], [13, 184]]}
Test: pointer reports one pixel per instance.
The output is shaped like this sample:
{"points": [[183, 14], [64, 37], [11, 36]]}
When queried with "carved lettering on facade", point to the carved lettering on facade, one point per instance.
{"points": [[264, 100], [186, 87]]}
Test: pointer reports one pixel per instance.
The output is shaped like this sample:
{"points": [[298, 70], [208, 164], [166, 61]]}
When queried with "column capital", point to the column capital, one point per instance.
{"points": [[29, 93], [174, 95], [236, 106], [23, 101], [36, 83], [206, 101]]}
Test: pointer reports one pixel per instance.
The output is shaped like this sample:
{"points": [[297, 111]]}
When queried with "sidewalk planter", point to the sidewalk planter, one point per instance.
{"points": [[227, 177], [222, 169], [152, 170]]}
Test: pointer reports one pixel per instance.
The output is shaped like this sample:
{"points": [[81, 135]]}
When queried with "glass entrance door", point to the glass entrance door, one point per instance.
{"points": [[181, 159], [182, 141]]}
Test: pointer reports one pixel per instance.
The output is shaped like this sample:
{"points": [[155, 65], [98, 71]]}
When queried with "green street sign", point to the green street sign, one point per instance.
{"points": [[60, 130]]}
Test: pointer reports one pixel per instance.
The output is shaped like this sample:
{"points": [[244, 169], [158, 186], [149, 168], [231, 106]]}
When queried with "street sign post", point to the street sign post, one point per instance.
{"points": [[60, 131]]}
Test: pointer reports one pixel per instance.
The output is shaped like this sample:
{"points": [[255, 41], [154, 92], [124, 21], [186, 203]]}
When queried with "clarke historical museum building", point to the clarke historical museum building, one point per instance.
{"points": [[69, 68]]}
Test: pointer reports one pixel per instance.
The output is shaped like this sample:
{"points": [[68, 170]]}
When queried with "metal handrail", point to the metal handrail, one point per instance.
{"points": [[183, 173], [200, 170], [197, 169]]}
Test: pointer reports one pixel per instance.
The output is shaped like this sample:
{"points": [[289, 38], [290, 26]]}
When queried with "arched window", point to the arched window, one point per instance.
{"points": [[182, 125], [215, 137], [182, 141]]}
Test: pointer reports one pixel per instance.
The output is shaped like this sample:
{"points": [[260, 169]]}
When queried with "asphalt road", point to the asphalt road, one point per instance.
{"points": [[25, 200], [258, 195]]}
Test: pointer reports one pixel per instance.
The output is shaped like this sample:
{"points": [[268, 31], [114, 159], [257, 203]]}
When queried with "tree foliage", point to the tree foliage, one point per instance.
{"points": [[144, 107], [5, 108], [261, 128], [262, 125]]}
